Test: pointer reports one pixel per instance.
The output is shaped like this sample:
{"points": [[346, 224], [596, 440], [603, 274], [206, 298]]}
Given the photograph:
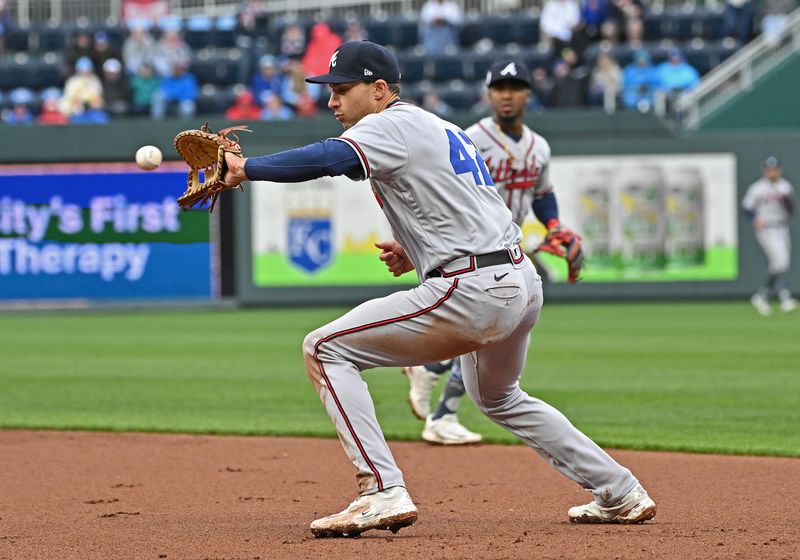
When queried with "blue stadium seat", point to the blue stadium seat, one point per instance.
{"points": [[471, 32], [677, 24], [225, 32], [198, 31], [445, 67], [51, 39], [216, 70], [700, 56], [524, 29], [536, 58], [653, 26], [18, 38], [379, 31], [498, 29], [459, 95], [406, 32], [214, 100], [711, 22], [480, 65], [412, 67]]}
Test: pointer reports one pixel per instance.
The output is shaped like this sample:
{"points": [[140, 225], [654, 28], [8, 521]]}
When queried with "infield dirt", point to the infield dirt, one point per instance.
{"points": [[66, 495]]}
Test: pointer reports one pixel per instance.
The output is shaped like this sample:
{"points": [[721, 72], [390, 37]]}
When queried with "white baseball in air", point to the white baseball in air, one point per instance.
{"points": [[148, 157]]}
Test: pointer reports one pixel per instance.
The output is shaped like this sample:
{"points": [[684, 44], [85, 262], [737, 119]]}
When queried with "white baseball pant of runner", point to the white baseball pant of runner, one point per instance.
{"points": [[488, 314], [777, 245]]}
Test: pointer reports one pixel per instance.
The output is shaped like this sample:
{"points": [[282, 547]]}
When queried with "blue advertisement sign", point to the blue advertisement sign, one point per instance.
{"points": [[100, 231]]}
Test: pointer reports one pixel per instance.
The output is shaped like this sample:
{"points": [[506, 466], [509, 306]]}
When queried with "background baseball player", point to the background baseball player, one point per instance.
{"points": [[478, 294], [518, 160], [768, 204]]}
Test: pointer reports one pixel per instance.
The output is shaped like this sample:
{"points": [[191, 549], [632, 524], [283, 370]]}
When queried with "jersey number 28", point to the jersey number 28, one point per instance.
{"points": [[462, 162]]}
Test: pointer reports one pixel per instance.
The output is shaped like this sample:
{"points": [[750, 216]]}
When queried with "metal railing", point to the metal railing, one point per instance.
{"points": [[738, 73], [55, 12]]}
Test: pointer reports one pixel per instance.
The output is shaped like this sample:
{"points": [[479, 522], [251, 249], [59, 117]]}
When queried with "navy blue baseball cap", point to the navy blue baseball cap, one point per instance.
{"points": [[360, 61], [508, 70]]}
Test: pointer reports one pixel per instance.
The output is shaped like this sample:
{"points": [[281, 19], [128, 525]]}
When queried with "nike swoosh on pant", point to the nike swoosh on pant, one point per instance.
{"points": [[498, 278]]}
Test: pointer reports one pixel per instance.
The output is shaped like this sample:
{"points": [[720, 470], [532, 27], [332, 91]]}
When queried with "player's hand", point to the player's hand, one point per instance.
{"points": [[758, 223], [235, 172], [394, 257]]}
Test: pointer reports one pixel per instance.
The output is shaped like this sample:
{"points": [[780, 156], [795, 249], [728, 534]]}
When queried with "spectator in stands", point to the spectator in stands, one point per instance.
{"points": [[5, 17], [20, 111], [433, 103], [605, 83], [300, 96], [171, 50], [116, 90], [439, 26], [179, 90], [634, 32], [143, 88], [139, 47], [92, 113], [569, 81], [102, 49], [268, 79], [593, 14], [51, 113], [244, 108], [321, 45], [623, 10], [252, 18], [609, 32], [81, 47], [541, 86], [639, 81], [354, 31], [774, 18], [83, 89], [675, 74], [737, 20], [558, 20], [275, 110], [293, 41]]}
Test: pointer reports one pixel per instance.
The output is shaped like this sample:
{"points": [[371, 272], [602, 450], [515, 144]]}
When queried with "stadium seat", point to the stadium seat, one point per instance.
{"points": [[412, 67], [471, 32], [498, 29], [700, 56], [51, 39], [711, 23], [213, 100], [198, 32], [225, 32], [18, 38], [445, 67], [459, 95], [536, 58], [379, 31], [524, 29], [653, 25], [406, 32]]}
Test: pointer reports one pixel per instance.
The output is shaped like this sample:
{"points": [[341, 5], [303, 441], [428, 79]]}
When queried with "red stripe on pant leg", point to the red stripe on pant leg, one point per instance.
{"points": [[359, 329]]}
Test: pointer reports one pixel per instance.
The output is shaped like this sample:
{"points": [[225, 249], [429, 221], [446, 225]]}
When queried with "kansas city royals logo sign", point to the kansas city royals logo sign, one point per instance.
{"points": [[310, 242]]}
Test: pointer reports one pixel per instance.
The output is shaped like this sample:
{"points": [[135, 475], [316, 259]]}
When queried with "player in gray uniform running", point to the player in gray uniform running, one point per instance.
{"points": [[519, 161], [478, 294], [768, 204]]}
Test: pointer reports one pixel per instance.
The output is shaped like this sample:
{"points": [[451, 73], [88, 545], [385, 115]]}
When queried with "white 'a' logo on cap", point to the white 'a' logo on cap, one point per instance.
{"points": [[511, 68], [333, 59]]}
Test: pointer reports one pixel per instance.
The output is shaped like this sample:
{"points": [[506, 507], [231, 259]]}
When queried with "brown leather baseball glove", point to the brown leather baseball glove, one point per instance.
{"points": [[565, 243], [204, 151]]}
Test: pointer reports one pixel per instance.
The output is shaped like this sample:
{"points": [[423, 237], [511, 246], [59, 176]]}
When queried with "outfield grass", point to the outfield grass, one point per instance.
{"points": [[678, 376]]}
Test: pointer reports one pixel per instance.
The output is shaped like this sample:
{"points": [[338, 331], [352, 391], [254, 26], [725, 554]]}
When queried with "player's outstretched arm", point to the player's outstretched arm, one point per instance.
{"points": [[394, 257]]}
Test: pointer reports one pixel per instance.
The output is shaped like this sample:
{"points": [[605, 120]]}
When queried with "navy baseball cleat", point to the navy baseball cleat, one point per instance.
{"points": [[635, 507]]}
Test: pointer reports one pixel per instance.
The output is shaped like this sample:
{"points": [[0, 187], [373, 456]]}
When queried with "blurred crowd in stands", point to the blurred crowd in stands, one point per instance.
{"points": [[252, 67]]}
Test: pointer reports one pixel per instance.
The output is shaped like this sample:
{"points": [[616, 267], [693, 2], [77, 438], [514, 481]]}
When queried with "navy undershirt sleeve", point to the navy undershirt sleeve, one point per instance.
{"points": [[749, 214], [546, 208], [321, 159]]}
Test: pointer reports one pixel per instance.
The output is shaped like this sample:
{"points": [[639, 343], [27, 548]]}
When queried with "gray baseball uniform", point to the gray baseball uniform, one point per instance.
{"points": [[765, 199], [520, 170], [479, 295]]}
